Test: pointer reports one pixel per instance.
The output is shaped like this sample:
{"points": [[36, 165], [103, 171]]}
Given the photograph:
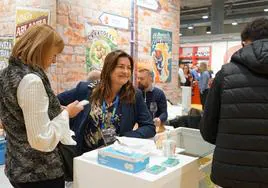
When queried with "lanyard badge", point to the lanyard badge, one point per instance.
{"points": [[104, 111]]}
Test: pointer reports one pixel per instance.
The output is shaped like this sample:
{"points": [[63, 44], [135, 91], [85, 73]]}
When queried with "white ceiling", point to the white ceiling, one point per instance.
{"points": [[200, 3], [241, 11]]}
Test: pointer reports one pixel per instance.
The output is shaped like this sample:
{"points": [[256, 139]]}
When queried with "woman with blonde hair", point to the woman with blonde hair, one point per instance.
{"points": [[31, 114], [115, 106]]}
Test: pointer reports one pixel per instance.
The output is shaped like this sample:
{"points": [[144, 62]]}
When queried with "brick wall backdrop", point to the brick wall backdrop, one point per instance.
{"points": [[69, 17], [8, 16], [72, 16], [168, 18]]}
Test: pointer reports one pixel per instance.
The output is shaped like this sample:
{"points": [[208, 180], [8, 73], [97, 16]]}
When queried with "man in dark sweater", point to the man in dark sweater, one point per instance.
{"points": [[235, 115], [154, 97]]}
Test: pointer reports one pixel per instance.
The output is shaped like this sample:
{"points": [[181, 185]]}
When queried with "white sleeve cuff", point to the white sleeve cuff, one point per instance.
{"points": [[66, 136]]}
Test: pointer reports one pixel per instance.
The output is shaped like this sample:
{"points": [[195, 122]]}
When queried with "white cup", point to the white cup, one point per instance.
{"points": [[169, 148]]}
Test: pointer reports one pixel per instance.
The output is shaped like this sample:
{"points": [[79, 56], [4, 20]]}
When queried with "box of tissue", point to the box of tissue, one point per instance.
{"points": [[123, 158]]}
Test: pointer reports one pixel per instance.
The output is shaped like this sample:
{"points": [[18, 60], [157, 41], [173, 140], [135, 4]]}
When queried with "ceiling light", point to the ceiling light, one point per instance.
{"points": [[208, 32], [180, 34], [205, 17], [190, 27], [265, 10], [234, 23]]}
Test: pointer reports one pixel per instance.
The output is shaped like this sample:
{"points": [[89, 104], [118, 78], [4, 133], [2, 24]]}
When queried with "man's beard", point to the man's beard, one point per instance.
{"points": [[140, 86]]}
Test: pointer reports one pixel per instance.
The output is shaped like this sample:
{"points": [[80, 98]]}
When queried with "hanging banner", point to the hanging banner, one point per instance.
{"points": [[26, 17], [161, 51], [101, 41], [6, 44]]}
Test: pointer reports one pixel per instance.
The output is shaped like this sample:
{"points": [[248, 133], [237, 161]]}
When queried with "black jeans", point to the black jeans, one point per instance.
{"points": [[55, 183], [203, 97]]}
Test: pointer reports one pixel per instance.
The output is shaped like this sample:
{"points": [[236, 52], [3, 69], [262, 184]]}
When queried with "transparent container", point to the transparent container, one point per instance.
{"points": [[194, 145]]}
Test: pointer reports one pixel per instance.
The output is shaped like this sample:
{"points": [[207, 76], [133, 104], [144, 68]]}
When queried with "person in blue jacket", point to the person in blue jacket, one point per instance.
{"points": [[115, 106]]}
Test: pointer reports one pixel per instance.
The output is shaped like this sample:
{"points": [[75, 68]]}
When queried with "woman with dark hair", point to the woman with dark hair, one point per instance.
{"points": [[115, 106], [188, 76]]}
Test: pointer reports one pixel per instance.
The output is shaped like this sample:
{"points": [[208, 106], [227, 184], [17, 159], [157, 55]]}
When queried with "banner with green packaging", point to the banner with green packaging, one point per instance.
{"points": [[101, 41]]}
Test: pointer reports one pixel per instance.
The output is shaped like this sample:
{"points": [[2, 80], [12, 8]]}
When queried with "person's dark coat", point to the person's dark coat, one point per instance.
{"points": [[236, 119]]}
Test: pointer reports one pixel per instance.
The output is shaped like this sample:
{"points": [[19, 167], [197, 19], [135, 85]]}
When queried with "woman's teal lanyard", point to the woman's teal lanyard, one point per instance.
{"points": [[104, 111]]}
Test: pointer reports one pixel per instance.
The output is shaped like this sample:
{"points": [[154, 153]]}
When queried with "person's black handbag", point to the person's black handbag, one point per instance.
{"points": [[67, 152], [179, 122], [191, 120]]}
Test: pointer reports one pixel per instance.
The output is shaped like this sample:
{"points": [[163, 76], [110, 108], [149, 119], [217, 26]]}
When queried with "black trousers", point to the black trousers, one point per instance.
{"points": [[203, 98], [55, 183]]}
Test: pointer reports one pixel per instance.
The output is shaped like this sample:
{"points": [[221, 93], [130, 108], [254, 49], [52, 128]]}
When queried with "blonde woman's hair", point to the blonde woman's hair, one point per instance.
{"points": [[35, 43]]}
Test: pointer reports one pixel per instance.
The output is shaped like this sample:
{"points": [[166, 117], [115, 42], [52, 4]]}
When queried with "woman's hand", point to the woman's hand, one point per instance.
{"points": [[74, 108], [157, 122]]}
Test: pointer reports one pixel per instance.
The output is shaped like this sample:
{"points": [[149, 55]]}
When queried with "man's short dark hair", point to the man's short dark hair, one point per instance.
{"points": [[149, 72], [255, 30]]}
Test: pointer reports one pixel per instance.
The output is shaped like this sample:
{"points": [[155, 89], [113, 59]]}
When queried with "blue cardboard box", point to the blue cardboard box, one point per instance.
{"points": [[123, 158]]}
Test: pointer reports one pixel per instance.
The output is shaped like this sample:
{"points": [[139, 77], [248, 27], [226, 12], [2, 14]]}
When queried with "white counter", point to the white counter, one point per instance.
{"points": [[89, 174]]}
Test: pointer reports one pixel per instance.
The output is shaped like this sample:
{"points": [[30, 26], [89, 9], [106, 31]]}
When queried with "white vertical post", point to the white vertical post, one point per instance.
{"points": [[186, 99]]}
